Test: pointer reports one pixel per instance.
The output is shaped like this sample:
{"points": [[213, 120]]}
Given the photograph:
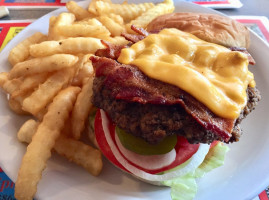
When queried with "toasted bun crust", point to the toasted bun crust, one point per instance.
{"points": [[209, 27]]}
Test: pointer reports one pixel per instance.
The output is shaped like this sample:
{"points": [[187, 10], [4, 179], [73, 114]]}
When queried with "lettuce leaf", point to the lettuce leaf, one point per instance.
{"points": [[182, 188], [214, 158], [185, 187]]}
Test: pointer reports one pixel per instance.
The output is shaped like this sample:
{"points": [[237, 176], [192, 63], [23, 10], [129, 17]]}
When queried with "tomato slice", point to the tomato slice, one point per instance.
{"points": [[102, 142], [184, 150]]}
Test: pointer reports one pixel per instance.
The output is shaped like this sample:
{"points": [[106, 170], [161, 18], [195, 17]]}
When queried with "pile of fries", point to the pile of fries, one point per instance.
{"points": [[51, 79]]}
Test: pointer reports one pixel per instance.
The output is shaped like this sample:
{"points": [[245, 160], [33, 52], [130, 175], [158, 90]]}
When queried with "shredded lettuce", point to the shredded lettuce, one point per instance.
{"points": [[185, 187]]}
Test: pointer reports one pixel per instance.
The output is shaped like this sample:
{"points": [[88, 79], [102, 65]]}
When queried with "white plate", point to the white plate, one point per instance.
{"points": [[244, 175]]}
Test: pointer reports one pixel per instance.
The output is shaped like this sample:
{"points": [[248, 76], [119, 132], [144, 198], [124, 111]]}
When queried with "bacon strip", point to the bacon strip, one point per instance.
{"points": [[127, 82], [142, 33], [111, 51], [139, 31], [244, 50], [132, 37]]}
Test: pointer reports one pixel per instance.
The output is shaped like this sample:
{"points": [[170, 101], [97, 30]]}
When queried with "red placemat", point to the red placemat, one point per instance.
{"points": [[218, 4], [31, 3]]}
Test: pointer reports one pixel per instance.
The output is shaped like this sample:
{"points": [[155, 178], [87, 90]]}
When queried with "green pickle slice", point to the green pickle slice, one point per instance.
{"points": [[140, 146]]}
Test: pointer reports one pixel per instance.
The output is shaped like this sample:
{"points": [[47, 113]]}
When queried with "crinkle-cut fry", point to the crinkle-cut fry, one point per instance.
{"points": [[46, 91], [144, 19], [43, 64], [12, 85], [30, 83], [127, 11], [116, 18], [84, 70], [78, 152], [40, 115], [89, 21], [56, 23], [15, 106], [118, 40], [81, 109], [15, 103], [83, 73], [76, 45], [52, 33], [21, 51], [67, 127], [65, 19], [27, 131], [79, 12], [114, 28], [39, 150], [92, 8], [83, 30], [3, 78]]}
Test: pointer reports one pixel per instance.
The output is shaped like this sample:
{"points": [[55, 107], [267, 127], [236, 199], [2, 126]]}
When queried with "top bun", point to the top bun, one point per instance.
{"points": [[209, 27]]}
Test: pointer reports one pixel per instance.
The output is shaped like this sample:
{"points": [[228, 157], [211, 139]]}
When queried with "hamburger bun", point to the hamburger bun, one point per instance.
{"points": [[209, 27]]}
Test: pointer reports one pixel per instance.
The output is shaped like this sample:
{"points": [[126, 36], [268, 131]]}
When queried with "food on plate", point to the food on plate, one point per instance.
{"points": [[209, 27], [74, 150], [82, 108], [39, 150], [21, 51], [171, 85], [162, 128]]}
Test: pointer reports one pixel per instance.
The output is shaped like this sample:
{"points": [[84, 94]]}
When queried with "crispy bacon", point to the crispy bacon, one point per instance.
{"points": [[111, 51], [139, 31], [127, 82], [142, 33], [132, 37], [244, 50]]}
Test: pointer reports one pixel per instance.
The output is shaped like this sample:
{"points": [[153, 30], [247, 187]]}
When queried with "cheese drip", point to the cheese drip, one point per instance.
{"points": [[213, 74]]}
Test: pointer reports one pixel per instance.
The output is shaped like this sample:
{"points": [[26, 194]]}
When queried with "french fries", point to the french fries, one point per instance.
{"points": [[82, 108], [39, 150], [84, 30], [75, 151], [76, 45], [114, 28], [78, 152], [79, 12], [84, 70], [15, 106], [43, 64], [29, 83], [127, 11], [12, 85], [3, 78], [21, 51], [52, 77], [27, 131], [143, 20], [46, 92], [92, 8]]}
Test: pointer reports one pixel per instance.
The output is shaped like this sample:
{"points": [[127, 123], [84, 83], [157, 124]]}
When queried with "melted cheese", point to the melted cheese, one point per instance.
{"points": [[211, 73]]}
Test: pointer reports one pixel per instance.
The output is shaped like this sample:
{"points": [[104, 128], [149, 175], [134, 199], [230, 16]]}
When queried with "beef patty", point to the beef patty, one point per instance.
{"points": [[154, 122]]}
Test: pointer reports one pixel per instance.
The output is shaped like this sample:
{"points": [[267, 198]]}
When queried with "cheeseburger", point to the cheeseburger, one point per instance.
{"points": [[168, 101]]}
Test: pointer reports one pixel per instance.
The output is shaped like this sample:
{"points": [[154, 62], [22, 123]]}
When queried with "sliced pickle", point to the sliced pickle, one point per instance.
{"points": [[140, 146]]}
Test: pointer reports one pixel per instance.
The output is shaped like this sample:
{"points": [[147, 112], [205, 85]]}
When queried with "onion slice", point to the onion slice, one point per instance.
{"points": [[191, 165]]}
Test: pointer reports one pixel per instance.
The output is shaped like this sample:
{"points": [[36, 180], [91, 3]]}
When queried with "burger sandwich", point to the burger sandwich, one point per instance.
{"points": [[168, 101]]}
